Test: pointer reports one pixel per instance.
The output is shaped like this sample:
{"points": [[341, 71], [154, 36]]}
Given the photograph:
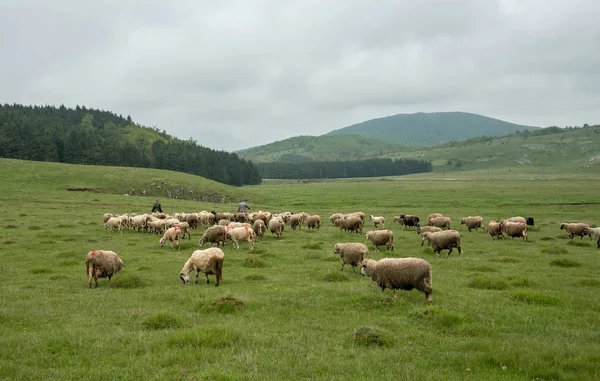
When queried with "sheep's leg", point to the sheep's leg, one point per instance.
{"points": [[449, 251], [197, 273], [96, 280], [342, 267], [207, 280]]}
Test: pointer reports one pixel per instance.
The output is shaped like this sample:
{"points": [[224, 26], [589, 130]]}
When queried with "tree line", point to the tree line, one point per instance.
{"points": [[343, 169], [97, 137]]}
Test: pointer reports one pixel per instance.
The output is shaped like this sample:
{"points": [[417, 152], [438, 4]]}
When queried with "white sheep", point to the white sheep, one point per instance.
{"points": [[209, 262], [173, 234], [243, 233], [595, 233], [313, 222], [102, 264], [259, 228], [472, 222], [400, 274], [114, 222], [276, 226], [514, 229], [352, 253], [440, 222], [495, 229], [580, 229], [444, 240], [381, 238], [427, 228], [377, 220]]}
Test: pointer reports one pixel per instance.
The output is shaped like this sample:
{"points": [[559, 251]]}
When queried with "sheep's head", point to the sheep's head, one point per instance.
{"points": [[184, 278], [562, 226], [336, 248], [161, 242], [367, 267], [463, 221]]}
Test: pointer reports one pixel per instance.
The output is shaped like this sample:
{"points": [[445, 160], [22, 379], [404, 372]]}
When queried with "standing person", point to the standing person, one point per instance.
{"points": [[242, 206], [156, 207]]}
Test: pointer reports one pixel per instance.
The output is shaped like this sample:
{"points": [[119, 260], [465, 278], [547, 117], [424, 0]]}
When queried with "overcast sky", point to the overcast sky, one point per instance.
{"points": [[233, 74]]}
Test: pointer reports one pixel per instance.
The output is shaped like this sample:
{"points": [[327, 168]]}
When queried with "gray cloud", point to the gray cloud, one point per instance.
{"points": [[235, 74]]}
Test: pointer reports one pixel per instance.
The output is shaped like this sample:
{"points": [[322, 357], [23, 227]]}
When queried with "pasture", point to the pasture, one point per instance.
{"points": [[505, 310]]}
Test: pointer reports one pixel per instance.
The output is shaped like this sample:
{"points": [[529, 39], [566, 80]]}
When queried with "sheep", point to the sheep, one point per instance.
{"points": [[140, 222], [276, 226], [475, 222], [351, 223], [595, 232], [170, 222], [240, 217], [313, 222], [408, 220], [517, 219], [241, 233], [444, 240], [580, 229], [157, 226], [114, 222], [214, 234], [434, 215], [185, 228], [223, 222], [351, 254], [259, 228], [423, 229], [209, 262], [238, 225], [107, 216], [440, 222], [377, 221], [495, 229], [400, 273], [173, 234], [296, 221], [381, 238], [334, 217], [102, 264], [192, 220], [514, 229]]}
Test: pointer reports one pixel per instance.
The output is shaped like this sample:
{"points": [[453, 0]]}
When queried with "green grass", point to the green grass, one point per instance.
{"points": [[506, 309]]}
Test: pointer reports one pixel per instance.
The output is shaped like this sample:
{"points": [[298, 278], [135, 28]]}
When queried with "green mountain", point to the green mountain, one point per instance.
{"points": [[429, 129], [302, 149], [548, 150]]}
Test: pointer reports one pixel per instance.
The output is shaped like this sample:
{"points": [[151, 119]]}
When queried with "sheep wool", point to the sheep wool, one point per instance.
{"points": [[102, 264], [208, 262], [400, 274], [352, 254]]}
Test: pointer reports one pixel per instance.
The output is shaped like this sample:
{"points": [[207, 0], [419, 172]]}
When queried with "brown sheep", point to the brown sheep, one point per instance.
{"points": [[313, 222], [214, 234], [475, 222]]}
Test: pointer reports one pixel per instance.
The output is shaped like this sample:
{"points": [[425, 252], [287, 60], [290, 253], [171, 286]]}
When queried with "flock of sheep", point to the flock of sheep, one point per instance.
{"points": [[392, 273]]}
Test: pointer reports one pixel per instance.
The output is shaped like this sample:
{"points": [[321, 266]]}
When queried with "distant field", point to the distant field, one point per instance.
{"points": [[506, 309]]}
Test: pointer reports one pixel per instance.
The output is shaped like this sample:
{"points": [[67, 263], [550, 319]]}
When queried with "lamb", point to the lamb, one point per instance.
{"points": [[408, 220], [214, 234], [173, 234], [401, 274], [495, 229], [381, 238], [114, 222], [377, 221], [185, 228], [595, 232], [424, 229], [351, 254], [209, 262], [440, 222], [313, 222], [276, 226], [259, 228], [472, 222], [580, 229], [514, 229], [244, 233], [444, 240], [102, 264]]}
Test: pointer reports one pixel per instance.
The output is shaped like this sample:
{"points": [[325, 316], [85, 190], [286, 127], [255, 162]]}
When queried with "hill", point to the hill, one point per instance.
{"points": [[97, 137], [549, 150], [302, 149], [429, 129]]}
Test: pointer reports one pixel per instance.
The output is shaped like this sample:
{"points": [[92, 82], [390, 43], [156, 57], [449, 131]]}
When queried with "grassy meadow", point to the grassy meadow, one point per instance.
{"points": [[505, 310]]}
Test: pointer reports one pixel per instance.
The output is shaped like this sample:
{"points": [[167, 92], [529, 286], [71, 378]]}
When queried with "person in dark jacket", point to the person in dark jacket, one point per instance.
{"points": [[242, 206], [156, 207]]}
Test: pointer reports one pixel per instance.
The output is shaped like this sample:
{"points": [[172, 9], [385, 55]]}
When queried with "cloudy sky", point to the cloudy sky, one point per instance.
{"points": [[234, 74]]}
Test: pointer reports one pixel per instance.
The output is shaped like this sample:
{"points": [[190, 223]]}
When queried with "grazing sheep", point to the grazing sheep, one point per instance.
{"points": [[595, 232], [475, 222], [276, 226], [444, 240], [351, 223], [434, 215], [495, 229], [209, 262], [259, 228], [185, 228], [139, 223], [214, 234], [408, 220], [514, 229], [351, 254], [102, 264], [243, 233], [424, 229], [157, 226], [192, 220], [173, 234], [381, 238], [579, 228], [377, 221], [400, 274], [440, 222], [335, 216], [114, 222], [313, 222]]}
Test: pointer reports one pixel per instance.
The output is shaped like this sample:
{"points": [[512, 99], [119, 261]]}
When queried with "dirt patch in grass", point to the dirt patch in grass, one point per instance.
{"points": [[227, 305], [256, 251]]}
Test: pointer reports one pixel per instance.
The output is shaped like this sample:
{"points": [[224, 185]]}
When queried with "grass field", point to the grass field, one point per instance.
{"points": [[505, 310]]}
